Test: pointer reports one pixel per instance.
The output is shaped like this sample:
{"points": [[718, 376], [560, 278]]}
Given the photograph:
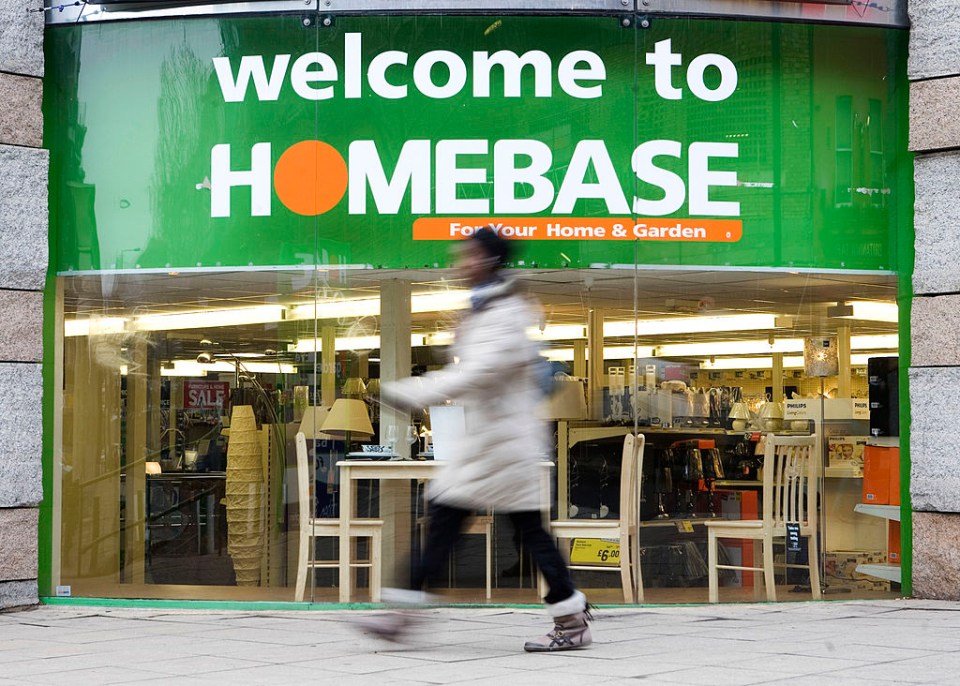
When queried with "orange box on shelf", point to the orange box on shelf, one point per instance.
{"points": [[881, 475], [894, 476], [893, 542]]}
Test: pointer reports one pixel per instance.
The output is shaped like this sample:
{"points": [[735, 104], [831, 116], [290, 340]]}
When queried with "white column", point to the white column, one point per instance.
{"points": [[395, 362], [843, 353], [595, 380]]}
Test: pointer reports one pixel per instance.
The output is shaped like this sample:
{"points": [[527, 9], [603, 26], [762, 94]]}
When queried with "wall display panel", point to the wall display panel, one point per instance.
{"points": [[376, 140]]}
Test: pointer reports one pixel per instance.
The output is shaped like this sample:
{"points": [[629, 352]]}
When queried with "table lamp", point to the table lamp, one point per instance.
{"points": [[771, 416], [348, 416], [740, 416]]}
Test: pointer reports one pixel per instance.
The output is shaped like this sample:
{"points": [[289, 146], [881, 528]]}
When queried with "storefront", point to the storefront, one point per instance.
{"points": [[251, 221]]}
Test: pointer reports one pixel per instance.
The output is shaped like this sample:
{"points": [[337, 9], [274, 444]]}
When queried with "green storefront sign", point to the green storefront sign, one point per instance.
{"points": [[266, 142]]}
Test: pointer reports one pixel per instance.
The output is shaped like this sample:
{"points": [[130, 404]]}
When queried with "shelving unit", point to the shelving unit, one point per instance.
{"points": [[891, 512], [890, 572]]}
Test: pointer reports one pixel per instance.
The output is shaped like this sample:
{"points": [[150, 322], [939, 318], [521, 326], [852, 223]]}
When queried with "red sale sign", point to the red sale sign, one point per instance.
{"points": [[205, 395]]}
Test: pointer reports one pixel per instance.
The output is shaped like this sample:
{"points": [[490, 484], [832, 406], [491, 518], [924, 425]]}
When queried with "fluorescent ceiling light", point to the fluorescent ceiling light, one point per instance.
{"points": [[432, 301], [709, 348], [654, 327], [186, 368], [873, 310], [438, 301], [311, 345], [194, 368], [887, 341], [205, 319], [614, 352], [94, 326], [558, 332], [764, 347], [751, 363]]}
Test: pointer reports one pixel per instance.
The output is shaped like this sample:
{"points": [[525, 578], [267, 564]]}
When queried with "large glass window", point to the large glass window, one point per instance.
{"points": [[179, 475]]}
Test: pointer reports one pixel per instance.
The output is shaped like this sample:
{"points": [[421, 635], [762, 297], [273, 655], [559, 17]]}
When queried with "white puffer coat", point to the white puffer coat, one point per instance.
{"points": [[494, 377]]}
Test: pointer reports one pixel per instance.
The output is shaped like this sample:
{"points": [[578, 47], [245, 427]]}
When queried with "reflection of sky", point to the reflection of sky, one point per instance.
{"points": [[118, 67]]}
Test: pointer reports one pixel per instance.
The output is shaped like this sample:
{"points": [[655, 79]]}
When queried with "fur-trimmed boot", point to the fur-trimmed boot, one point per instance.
{"points": [[570, 628]]}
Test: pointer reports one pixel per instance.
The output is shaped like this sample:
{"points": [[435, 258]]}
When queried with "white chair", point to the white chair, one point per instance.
{"points": [[790, 469], [312, 528], [626, 528]]}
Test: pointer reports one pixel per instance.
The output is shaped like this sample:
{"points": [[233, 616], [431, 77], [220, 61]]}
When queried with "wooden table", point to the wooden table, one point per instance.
{"points": [[352, 471]]}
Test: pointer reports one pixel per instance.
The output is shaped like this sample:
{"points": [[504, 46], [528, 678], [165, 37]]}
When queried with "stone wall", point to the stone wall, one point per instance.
{"points": [[934, 73], [23, 267]]}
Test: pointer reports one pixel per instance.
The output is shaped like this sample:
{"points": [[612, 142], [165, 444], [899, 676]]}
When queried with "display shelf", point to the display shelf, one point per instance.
{"points": [[883, 571], [886, 511], [842, 472]]}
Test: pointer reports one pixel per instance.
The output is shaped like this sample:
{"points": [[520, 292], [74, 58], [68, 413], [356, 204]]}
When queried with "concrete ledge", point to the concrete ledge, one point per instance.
{"points": [[23, 217], [934, 323], [18, 541], [936, 555], [18, 594], [933, 114], [934, 38], [21, 336], [21, 38], [21, 393], [21, 117], [936, 208]]}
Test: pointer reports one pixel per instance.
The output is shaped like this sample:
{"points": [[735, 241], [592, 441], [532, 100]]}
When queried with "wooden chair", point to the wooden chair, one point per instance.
{"points": [[626, 528], [790, 477], [312, 528]]}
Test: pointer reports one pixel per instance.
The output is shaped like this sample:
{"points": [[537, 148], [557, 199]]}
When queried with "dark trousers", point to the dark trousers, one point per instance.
{"points": [[444, 532]]}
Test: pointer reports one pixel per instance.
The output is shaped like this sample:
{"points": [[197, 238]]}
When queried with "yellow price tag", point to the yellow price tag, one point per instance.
{"points": [[685, 526], [596, 551]]}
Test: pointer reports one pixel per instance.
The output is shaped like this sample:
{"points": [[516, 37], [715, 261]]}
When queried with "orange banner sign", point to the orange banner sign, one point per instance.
{"points": [[583, 229]]}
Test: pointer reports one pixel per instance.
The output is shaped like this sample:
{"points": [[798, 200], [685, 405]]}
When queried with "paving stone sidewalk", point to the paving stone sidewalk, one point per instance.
{"points": [[849, 643]]}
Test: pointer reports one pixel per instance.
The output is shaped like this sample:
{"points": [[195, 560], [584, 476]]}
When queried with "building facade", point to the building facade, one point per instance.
{"points": [[826, 222]]}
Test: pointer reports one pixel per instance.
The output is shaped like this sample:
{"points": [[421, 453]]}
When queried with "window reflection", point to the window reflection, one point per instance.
{"points": [[168, 489]]}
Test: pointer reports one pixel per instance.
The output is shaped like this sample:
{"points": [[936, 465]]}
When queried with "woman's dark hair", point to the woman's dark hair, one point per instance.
{"points": [[493, 245]]}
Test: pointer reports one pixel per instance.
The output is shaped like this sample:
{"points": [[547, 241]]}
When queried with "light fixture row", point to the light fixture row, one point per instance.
{"points": [[439, 301]]}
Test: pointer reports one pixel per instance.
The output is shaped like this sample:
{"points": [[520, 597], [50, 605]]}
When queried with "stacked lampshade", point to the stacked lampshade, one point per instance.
{"points": [[244, 496]]}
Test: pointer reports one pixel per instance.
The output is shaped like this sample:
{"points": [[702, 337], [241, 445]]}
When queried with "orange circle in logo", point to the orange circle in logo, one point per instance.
{"points": [[310, 177]]}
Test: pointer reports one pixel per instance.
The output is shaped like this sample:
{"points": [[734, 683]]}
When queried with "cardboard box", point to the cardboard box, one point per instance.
{"points": [[871, 584], [842, 564], [893, 542], [881, 475]]}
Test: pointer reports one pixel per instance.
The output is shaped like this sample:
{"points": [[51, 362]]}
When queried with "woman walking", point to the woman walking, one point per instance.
{"points": [[497, 377]]}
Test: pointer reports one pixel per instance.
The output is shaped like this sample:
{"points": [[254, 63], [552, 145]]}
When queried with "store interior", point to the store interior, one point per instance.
{"points": [[702, 362]]}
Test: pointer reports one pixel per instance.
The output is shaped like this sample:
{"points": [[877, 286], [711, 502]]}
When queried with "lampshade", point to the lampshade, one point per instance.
{"points": [[348, 415], [771, 410], [739, 411], [373, 387], [568, 400], [740, 414], [313, 419], [354, 386], [820, 357]]}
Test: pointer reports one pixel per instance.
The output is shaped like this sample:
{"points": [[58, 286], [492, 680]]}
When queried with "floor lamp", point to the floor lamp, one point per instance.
{"points": [[820, 359]]}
